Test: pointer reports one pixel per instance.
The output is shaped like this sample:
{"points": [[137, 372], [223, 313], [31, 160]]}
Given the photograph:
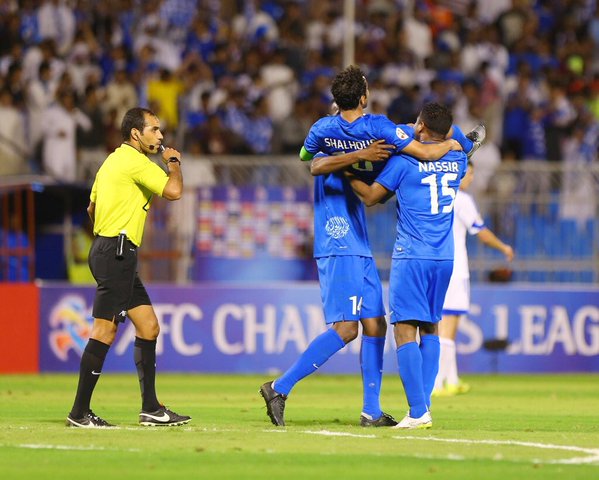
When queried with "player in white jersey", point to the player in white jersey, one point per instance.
{"points": [[467, 220]]}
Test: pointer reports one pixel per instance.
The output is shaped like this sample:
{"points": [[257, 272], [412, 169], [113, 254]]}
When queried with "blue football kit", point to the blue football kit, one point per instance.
{"points": [[349, 281], [422, 261], [350, 287], [425, 194]]}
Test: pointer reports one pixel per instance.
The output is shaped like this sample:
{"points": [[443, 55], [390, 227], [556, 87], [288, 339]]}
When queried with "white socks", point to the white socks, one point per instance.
{"points": [[448, 366]]}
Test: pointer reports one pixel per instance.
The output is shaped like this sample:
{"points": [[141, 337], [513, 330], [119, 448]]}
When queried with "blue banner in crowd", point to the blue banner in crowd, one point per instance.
{"points": [[263, 328]]}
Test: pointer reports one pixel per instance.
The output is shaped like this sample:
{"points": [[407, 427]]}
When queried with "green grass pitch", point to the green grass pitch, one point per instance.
{"points": [[507, 427]]}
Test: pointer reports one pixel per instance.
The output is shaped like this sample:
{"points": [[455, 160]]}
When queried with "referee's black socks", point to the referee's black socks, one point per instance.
{"points": [[90, 369], [144, 354]]}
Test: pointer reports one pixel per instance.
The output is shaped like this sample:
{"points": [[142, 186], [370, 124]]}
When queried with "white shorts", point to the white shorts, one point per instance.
{"points": [[457, 298]]}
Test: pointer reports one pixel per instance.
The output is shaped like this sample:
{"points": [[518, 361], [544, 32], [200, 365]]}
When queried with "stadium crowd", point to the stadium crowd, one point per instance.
{"points": [[250, 77]]}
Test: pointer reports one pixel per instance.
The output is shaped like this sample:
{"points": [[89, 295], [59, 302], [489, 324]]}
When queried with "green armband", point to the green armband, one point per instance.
{"points": [[305, 155]]}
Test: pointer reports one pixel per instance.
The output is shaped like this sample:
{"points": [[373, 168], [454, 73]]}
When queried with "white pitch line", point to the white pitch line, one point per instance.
{"points": [[547, 446], [593, 453], [86, 448], [337, 434]]}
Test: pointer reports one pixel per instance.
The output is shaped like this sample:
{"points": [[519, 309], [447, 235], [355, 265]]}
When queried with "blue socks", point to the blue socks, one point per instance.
{"points": [[317, 353], [409, 360], [430, 350], [371, 361]]}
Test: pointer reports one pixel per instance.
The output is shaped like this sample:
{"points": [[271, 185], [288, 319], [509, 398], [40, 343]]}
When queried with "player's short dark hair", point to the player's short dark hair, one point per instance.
{"points": [[348, 87], [134, 118], [437, 118]]}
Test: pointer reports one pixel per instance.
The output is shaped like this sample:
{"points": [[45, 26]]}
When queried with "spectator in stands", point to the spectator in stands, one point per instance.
{"points": [[279, 83], [260, 128], [163, 95], [214, 138], [56, 21], [535, 180], [152, 32], [405, 106], [15, 84], [120, 95], [60, 122], [235, 119], [418, 33], [201, 38], [292, 29], [179, 15], [10, 33], [560, 116], [253, 23], [29, 23], [40, 94], [82, 65], [36, 54], [13, 148], [91, 142], [289, 134]]}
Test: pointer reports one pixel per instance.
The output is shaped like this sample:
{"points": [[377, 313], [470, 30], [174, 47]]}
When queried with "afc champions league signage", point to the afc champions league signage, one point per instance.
{"points": [[259, 329]]}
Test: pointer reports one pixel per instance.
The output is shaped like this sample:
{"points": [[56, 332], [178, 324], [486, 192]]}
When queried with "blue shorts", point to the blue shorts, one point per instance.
{"points": [[350, 288], [417, 289]]}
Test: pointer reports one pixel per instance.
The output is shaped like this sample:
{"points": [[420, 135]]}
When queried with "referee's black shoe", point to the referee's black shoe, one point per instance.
{"points": [[162, 417], [275, 404], [89, 420], [385, 420]]}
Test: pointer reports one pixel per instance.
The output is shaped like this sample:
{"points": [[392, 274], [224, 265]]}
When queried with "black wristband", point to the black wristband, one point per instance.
{"points": [[174, 160]]}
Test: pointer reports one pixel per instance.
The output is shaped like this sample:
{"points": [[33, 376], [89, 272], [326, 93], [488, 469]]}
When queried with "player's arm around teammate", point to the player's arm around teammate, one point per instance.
{"points": [[377, 151], [369, 194]]}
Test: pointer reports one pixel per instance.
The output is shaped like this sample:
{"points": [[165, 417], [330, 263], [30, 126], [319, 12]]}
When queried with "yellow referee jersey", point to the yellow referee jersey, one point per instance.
{"points": [[122, 192]]}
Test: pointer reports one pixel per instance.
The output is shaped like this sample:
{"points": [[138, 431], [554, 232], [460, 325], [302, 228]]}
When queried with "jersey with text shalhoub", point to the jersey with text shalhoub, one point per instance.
{"points": [[425, 193], [339, 218], [335, 136]]}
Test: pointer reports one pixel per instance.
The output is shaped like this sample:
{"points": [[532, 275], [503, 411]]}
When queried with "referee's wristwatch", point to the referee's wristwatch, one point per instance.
{"points": [[174, 160]]}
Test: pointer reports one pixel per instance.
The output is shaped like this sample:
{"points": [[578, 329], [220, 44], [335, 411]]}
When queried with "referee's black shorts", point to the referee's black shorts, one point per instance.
{"points": [[119, 287]]}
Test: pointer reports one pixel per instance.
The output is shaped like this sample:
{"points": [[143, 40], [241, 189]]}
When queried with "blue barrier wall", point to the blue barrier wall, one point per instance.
{"points": [[262, 329]]}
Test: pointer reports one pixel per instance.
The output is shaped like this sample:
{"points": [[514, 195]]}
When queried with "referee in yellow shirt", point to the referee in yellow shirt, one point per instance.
{"points": [[119, 202]]}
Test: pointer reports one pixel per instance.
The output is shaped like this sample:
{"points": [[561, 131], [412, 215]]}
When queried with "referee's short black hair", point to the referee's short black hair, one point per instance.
{"points": [[437, 118], [134, 118], [348, 87]]}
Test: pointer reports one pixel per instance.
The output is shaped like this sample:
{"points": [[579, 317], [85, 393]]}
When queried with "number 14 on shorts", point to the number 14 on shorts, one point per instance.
{"points": [[356, 304]]}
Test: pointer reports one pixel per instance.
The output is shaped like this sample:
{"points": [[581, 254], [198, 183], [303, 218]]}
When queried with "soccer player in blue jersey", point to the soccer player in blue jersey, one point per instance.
{"points": [[350, 290], [353, 130], [350, 286], [422, 259]]}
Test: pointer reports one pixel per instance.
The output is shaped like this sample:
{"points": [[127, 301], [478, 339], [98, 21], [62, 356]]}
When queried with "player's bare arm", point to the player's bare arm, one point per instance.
{"points": [[369, 194], [376, 152], [430, 151], [490, 239]]}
